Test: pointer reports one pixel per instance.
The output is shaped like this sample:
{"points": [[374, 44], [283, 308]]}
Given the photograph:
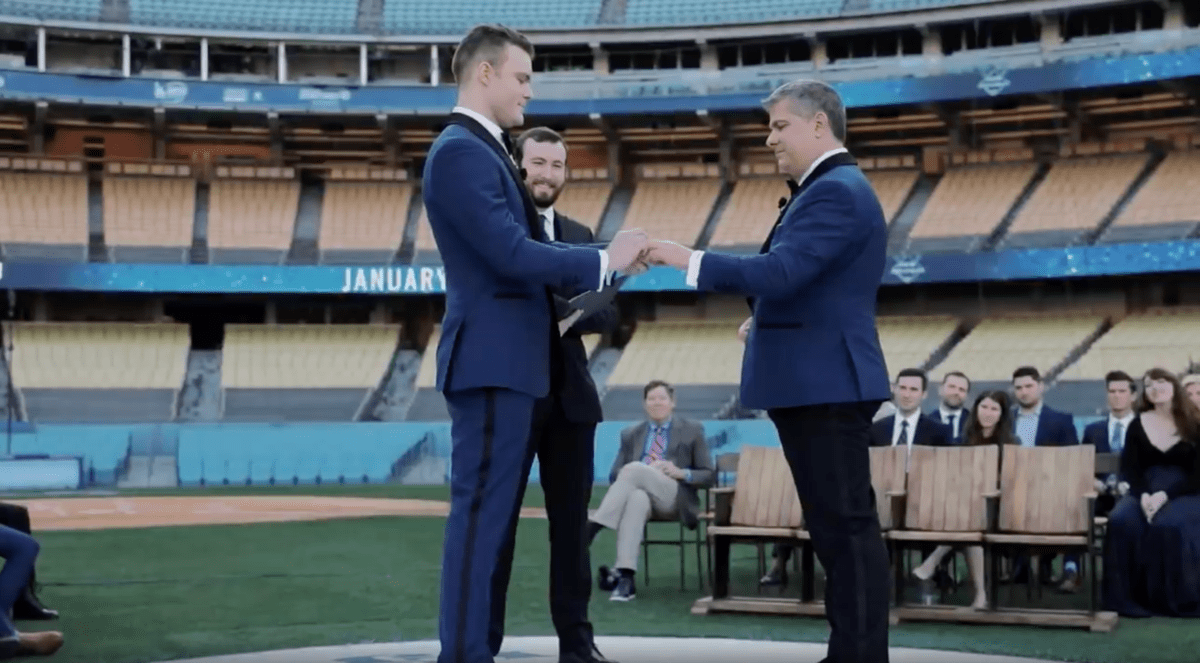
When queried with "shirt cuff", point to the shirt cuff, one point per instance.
{"points": [[693, 271], [605, 276], [687, 476]]}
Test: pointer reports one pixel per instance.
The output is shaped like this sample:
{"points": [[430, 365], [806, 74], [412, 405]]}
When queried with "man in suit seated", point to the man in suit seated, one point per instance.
{"points": [[909, 426], [1038, 425], [953, 412], [27, 605], [661, 463], [1108, 434]]}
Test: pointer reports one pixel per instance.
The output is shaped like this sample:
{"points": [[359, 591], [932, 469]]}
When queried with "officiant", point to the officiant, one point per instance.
{"points": [[565, 445]]}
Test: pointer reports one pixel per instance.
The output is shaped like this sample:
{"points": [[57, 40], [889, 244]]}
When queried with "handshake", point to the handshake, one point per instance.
{"points": [[633, 252]]}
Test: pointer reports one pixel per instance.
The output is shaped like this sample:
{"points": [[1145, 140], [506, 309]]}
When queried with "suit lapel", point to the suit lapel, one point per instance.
{"points": [[673, 442], [532, 218], [839, 159], [638, 443]]}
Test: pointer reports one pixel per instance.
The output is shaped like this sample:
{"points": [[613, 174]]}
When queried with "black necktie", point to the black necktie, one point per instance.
{"points": [[508, 144]]}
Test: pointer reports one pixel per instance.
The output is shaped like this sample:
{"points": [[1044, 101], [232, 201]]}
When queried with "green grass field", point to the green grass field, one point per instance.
{"points": [[164, 593]]}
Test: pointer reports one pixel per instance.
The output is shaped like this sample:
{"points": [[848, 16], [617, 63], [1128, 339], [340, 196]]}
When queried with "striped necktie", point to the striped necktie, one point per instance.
{"points": [[659, 446]]}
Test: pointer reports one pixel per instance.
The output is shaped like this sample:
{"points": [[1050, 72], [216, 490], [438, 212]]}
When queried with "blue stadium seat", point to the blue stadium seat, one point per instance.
{"points": [[61, 10], [102, 447], [457, 16], [886, 6], [705, 12], [304, 16]]}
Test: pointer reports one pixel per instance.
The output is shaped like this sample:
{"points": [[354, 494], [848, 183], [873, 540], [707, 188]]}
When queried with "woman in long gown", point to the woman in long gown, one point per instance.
{"points": [[1152, 548]]}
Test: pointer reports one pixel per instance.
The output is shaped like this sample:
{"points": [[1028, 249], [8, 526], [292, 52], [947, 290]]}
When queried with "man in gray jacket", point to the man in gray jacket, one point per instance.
{"points": [[661, 464]]}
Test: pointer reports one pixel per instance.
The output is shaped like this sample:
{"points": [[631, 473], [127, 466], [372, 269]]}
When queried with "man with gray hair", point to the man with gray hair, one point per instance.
{"points": [[813, 359]]}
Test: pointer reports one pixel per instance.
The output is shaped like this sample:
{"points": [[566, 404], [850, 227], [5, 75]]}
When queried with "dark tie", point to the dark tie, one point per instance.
{"points": [[1118, 436], [954, 425], [508, 144], [546, 227], [903, 441]]}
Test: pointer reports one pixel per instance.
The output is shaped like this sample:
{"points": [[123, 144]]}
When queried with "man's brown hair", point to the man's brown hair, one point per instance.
{"points": [[485, 42]]}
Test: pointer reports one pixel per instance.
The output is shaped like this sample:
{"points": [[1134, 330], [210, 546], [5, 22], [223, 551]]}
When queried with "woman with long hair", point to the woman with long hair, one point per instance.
{"points": [[1152, 550], [989, 422]]}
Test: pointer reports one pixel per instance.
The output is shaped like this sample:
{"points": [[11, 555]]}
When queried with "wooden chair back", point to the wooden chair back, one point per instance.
{"points": [[887, 475], [1043, 490], [947, 485], [726, 464], [765, 493]]}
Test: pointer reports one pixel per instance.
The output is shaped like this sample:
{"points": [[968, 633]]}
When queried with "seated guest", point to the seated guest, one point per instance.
{"points": [[1108, 434], [952, 411], [660, 465], [988, 423], [1191, 385], [27, 607], [1038, 425], [19, 551], [1152, 549], [909, 426]]}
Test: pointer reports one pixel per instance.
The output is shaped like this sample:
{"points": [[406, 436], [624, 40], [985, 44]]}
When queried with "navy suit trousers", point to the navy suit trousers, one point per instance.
{"points": [[489, 431]]}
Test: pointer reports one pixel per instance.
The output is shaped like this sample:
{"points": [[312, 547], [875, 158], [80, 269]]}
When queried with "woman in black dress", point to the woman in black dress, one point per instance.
{"points": [[1152, 549]]}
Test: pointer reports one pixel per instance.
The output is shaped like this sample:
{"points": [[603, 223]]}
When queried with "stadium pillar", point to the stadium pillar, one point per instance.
{"points": [[435, 67], [281, 59], [125, 59], [362, 64], [41, 49], [204, 58]]}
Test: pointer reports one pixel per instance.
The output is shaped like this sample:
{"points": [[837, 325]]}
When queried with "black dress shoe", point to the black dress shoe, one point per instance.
{"points": [[10, 640], [28, 607], [606, 579]]}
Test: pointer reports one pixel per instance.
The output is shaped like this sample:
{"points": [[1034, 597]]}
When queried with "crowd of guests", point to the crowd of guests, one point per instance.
{"points": [[1152, 546]]}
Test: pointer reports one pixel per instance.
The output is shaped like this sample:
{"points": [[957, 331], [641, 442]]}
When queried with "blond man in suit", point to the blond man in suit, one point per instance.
{"points": [[661, 464]]}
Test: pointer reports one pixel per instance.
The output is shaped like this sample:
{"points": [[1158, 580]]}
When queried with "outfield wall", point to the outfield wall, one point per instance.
{"points": [[307, 453]]}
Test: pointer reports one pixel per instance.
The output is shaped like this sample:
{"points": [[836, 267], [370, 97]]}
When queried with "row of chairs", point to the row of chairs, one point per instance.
{"points": [[1011, 501]]}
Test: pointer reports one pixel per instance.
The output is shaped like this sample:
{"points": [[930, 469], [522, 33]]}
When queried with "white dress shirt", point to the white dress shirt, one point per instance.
{"points": [[693, 271], [1112, 424], [497, 133], [956, 415]]}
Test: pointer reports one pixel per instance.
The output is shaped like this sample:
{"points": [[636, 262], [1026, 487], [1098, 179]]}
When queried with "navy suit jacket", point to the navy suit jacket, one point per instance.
{"points": [[497, 328], [578, 396], [929, 432], [964, 414], [1096, 434], [1055, 429], [813, 287]]}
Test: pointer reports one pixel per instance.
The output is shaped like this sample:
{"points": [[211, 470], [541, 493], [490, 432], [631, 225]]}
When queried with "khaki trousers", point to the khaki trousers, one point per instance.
{"points": [[639, 492]]}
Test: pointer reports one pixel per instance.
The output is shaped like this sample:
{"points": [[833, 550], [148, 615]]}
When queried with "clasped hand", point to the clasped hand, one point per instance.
{"points": [[670, 469], [1152, 504], [633, 252]]}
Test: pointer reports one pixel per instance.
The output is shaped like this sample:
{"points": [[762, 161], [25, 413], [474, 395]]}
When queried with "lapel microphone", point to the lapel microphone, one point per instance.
{"points": [[783, 202]]}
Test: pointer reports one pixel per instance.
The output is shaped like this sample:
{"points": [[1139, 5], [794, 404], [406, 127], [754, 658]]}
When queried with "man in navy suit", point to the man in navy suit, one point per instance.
{"points": [[499, 351], [1038, 425], [565, 446], [953, 412], [813, 359], [908, 426], [1108, 434]]}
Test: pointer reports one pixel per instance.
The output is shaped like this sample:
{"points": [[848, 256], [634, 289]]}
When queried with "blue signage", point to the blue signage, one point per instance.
{"points": [[1074, 262], [731, 90]]}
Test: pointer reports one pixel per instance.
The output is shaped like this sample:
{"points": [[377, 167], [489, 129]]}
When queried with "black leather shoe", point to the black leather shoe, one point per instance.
{"points": [[625, 590], [606, 579], [28, 607], [10, 640]]}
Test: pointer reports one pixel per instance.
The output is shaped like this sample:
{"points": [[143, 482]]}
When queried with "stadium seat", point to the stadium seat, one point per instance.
{"points": [[305, 16], [968, 204], [997, 346], [251, 220], [1166, 207], [99, 372], [149, 219], [455, 17], [699, 12], [363, 222], [1160, 337], [55, 10], [44, 216]]}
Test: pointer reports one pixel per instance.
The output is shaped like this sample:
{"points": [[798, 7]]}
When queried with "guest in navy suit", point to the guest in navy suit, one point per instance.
{"points": [[565, 447], [1108, 434], [908, 426], [1037, 425], [500, 349], [813, 359], [952, 411]]}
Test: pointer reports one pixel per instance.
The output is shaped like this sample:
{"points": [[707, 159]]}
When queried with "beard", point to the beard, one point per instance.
{"points": [[546, 200]]}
